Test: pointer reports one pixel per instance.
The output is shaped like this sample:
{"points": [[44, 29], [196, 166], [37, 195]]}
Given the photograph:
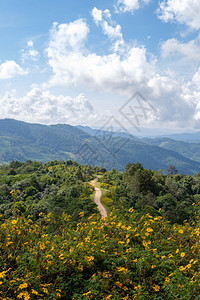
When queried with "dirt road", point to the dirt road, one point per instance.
{"points": [[97, 199]]}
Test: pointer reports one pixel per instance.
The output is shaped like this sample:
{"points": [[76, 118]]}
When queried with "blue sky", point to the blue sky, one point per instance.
{"points": [[78, 62]]}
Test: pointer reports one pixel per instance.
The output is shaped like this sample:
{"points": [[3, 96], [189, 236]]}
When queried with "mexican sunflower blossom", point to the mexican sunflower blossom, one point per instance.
{"points": [[156, 288], [23, 286], [149, 229]]}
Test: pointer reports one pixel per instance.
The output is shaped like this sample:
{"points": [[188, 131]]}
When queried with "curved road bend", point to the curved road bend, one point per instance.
{"points": [[97, 199]]}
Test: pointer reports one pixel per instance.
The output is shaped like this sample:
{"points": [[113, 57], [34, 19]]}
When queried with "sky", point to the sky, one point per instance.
{"points": [[136, 62]]}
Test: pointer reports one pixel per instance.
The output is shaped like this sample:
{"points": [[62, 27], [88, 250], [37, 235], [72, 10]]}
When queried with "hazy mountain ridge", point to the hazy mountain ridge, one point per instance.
{"points": [[188, 149], [24, 141]]}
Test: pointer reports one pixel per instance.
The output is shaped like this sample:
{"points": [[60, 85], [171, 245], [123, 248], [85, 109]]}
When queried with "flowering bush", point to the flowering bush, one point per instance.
{"points": [[133, 258]]}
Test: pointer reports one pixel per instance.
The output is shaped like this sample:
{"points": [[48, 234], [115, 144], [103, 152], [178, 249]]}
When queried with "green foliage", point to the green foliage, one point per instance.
{"points": [[150, 191], [20, 141], [55, 186], [54, 245], [135, 258]]}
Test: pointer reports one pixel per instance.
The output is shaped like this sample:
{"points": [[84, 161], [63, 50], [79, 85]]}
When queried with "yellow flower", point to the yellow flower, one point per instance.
{"points": [[89, 258], [156, 288], [81, 214], [149, 229], [9, 243], [25, 295], [45, 290], [20, 295], [108, 297], [181, 231], [23, 286], [167, 279], [2, 274], [14, 221], [106, 275], [123, 270], [188, 266], [80, 267], [34, 292], [42, 246], [119, 284], [58, 295], [40, 214], [182, 254], [181, 268], [86, 294], [61, 256], [137, 287]]}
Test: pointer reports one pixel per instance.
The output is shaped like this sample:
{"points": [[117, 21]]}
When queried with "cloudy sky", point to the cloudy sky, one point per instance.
{"points": [[80, 62]]}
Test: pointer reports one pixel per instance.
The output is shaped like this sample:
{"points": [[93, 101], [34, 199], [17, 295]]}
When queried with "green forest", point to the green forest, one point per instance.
{"points": [[55, 245], [20, 141]]}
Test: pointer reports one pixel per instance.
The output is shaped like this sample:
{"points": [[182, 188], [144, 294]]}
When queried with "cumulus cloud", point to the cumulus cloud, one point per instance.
{"points": [[45, 108], [190, 50], [29, 53], [183, 11], [129, 5], [196, 79], [121, 72], [10, 69], [191, 95], [74, 65], [112, 30]]}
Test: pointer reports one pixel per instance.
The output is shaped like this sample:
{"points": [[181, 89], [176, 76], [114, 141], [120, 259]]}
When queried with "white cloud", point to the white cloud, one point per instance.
{"points": [[29, 53], [196, 79], [192, 98], [190, 50], [74, 65], [30, 43], [45, 108], [129, 5], [183, 11], [10, 69], [68, 37], [112, 30], [162, 85], [121, 72]]}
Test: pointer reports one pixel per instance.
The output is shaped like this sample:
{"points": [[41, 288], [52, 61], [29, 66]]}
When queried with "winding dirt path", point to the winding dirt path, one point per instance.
{"points": [[97, 199]]}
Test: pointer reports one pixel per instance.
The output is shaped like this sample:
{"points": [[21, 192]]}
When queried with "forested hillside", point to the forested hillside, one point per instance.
{"points": [[34, 188], [54, 244], [23, 141], [187, 149]]}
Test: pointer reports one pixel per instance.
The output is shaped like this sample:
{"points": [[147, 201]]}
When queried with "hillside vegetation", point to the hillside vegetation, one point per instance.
{"points": [[187, 149], [23, 141], [54, 245]]}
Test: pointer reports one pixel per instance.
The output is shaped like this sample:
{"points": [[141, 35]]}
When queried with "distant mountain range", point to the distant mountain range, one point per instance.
{"points": [[192, 137], [24, 141]]}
